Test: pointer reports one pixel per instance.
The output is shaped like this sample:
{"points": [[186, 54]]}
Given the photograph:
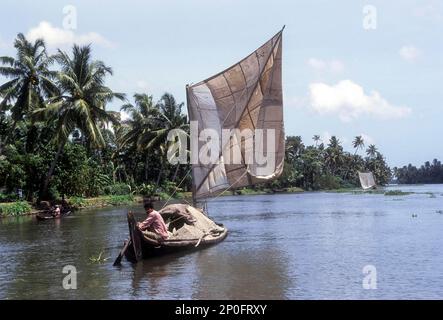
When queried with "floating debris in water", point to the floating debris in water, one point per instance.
{"points": [[414, 215], [99, 258]]}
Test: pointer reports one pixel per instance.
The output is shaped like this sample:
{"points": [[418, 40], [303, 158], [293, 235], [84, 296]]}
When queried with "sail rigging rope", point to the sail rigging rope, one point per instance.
{"points": [[176, 188], [215, 198]]}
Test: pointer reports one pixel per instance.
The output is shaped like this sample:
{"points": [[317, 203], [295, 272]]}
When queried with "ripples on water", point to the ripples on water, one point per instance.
{"points": [[285, 246]]}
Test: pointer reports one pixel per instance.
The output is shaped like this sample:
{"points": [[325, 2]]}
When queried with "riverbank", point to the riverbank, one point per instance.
{"points": [[78, 203], [20, 208]]}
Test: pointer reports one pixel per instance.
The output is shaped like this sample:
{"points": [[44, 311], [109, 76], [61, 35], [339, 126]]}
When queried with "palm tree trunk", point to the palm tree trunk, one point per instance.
{"points": [[347, 169], [159, 174], [175, 173], [146, 168], [44, 192]]}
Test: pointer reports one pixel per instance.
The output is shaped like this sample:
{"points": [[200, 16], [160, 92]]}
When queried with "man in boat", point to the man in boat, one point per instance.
{"points": [[154, 223], [57, 211]]}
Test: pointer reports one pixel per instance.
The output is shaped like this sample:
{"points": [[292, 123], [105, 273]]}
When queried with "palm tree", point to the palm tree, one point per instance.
{"points": [[171, 118], [371, 151], [81, 103], [150, 123], [143, 117], [358, 143], [316, 139], [31, 80], [137, 130], [334, 154]]}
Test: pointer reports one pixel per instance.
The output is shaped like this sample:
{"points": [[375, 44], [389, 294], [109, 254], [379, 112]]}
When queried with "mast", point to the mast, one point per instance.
{"points": [[194, 201]]}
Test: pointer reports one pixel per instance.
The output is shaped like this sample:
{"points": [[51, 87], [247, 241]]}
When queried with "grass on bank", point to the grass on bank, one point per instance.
{"points": [[103, 201], [15, 208], [397, 193]]}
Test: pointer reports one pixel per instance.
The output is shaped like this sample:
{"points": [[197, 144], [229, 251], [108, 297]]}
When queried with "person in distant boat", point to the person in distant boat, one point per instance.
{"points": [[57, 211], [154, 223]]}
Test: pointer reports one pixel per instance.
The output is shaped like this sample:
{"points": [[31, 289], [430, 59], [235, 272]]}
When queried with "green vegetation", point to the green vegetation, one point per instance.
{"points": [[329, 167], [103, 201], [14, 208], [397, 193], [58, 140], [427, 173]]}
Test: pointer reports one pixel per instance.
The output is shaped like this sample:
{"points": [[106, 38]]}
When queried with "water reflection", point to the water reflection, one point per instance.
{"points": [[243, 274], [301, 246]]}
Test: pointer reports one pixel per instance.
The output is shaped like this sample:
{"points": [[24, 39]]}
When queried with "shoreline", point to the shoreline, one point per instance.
{"points": [[80, 203]]}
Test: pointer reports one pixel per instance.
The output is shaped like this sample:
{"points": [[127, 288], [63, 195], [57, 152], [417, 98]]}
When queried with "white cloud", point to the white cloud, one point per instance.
{"points": [[348, 101], [409, 53], [124, 115], [367, 139], [58, 37], [334, 66]]}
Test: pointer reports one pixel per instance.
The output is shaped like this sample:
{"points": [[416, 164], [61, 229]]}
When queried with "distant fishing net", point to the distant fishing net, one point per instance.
{"points": [[188, 223], [367, 180]]}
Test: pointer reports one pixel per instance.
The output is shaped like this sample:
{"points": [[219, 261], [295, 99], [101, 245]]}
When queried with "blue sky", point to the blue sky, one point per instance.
{"points": [[339, 78]]}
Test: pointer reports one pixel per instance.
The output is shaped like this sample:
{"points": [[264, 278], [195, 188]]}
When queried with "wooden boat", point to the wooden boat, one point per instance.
{"points": [[144, 245], [247, 96], [41, 216]]}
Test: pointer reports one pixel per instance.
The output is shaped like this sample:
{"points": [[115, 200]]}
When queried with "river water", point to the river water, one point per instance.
{"points": [[284, 246]]}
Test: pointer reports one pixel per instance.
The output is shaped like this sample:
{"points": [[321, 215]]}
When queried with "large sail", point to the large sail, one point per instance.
{"points": [[367, 180], [247, 95]]}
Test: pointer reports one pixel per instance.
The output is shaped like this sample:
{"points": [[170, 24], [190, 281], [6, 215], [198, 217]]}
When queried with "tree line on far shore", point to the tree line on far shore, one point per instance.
{"points": [[328, 166], [57, 138], [426, 173]]}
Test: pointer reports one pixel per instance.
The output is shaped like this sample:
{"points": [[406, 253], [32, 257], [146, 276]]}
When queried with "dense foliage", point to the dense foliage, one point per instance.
{"points": [[318, 166], [427, 173], [57, 138]]}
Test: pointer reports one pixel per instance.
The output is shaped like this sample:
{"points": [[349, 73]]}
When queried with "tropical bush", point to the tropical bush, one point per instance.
{"points": [[120, 200], [117, 189], [15, 208], [146, 189]]}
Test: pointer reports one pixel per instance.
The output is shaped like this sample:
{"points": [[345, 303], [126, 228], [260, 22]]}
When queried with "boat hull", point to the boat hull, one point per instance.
{"points": [[48, 216], [144, 247]]}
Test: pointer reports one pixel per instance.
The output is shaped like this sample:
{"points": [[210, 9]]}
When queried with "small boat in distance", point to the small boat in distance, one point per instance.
{"points": [[367, 180], [41, 216], [248, 95]]}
